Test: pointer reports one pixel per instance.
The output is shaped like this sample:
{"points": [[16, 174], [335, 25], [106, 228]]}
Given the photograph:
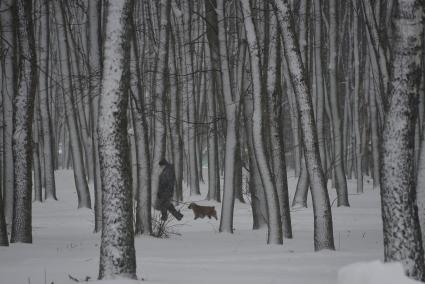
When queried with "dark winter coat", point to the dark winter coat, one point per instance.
{"points": [[166, 183]]}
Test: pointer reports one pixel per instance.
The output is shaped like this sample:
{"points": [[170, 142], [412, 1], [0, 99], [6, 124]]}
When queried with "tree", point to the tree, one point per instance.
{"points": [[23, 108], [117, 253], [8, 90], [50, 186], [402, 236], [159, 96], [68, 90], [231, 106], [274, 223], [323, 231]]}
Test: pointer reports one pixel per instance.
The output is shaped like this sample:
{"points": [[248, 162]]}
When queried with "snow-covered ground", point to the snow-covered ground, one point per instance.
{"points": [[64, 244]]}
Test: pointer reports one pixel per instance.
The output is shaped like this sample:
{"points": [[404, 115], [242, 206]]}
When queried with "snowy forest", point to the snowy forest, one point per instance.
{"points": [[212, 141]]}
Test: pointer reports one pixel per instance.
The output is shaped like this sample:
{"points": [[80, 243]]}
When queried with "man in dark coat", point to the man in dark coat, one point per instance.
{"points": [[166, 183]]}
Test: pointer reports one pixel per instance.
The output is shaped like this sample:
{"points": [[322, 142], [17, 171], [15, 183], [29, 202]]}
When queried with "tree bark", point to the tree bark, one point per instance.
{"points": [[341, 181], [48, 149], [274, 224], [159, 97], [23, 109], [117, 253], [323, 231], [402, 235], [226, 220], [8, 91], [68, 98]]}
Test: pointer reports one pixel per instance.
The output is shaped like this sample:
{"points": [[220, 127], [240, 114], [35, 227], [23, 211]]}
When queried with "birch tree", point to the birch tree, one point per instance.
{"points": [[402, 236], [117, 253]]}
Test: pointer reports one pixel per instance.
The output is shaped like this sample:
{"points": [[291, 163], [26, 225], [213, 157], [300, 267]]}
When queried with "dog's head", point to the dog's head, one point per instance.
{"points": [[191, 205]]}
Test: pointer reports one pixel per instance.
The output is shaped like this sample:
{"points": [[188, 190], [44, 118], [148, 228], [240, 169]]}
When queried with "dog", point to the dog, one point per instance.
{"points": [[203, 211]]}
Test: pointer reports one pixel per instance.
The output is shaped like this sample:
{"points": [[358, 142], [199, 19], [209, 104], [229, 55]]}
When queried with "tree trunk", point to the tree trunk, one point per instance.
{"points": [[402, 236], [94, 66], [8, 91], [213, 65], [75, 143], [144, 198], [341, 181], [357, 110], [48, 149], [258, 202], [117, 253], [323, 231], [226, 220], [274, 224], [23, 109], [159, 97]]}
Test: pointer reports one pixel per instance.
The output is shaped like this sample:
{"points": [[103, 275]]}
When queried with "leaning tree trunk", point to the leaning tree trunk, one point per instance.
{"points": [[402, 235], [117, 253], [323, 231], [23, 108]]}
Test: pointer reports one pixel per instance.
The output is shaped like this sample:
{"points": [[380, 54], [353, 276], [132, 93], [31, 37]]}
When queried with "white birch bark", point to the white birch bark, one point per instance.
{"points": [[117, 253], [402, 236]]}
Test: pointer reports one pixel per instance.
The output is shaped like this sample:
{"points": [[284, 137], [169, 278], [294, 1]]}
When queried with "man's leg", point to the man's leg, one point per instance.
{"points": [[174, 212], [164, 214]]}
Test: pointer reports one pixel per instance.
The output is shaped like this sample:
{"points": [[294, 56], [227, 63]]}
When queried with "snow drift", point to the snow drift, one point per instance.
{"points": [[374, 272]]}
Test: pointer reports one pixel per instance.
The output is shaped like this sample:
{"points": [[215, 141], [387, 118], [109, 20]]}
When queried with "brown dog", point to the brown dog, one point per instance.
{"points": [[203, 211]]}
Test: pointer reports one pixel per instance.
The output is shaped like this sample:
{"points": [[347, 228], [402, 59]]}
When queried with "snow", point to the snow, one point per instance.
{"points": [[374, 272], [65, 245]]}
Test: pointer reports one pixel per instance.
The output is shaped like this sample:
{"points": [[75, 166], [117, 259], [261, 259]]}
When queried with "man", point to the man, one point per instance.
{"points": [[166, 190]]}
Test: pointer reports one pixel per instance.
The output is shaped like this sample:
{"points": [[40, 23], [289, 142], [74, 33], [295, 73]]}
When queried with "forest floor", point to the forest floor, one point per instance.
{"points": [[65, 245]]}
